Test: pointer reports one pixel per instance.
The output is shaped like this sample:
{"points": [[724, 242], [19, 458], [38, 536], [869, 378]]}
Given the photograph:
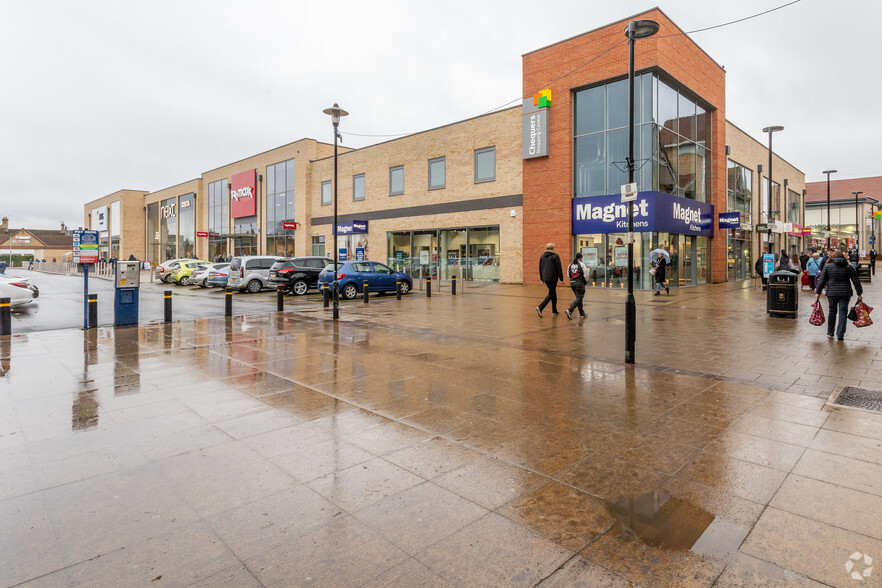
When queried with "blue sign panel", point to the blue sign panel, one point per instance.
{"points": [[653, 212], [343, 254], [359, 254], [768, 264], [730, 220], [356, 227]]}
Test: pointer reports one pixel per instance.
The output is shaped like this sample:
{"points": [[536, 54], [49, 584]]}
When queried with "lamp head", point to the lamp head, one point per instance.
{"points": [[828, 172], [335, 112], [773, 129], [640, 29]]}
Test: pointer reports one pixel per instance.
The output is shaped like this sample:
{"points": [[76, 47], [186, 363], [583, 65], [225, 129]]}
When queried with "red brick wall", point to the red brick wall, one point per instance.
{"points": [[548, 181]]}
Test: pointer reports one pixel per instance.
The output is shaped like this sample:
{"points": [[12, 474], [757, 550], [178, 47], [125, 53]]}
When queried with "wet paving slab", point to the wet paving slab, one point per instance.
{"points": [[443, 442]]}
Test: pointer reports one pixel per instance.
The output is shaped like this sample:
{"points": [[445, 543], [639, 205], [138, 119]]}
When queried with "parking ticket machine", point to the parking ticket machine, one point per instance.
{"points": [[127, 282]]}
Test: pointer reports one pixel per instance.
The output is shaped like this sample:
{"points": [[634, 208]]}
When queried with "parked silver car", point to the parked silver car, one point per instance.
{"points": [[251, 273], [200, 276]]}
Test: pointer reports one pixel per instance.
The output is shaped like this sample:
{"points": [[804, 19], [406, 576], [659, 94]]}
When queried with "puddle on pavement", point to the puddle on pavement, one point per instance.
{"points": [[660, 520]]}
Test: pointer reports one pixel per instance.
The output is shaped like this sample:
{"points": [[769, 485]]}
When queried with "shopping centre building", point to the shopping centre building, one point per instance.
{"points": [[850, 212], [480, 198]]}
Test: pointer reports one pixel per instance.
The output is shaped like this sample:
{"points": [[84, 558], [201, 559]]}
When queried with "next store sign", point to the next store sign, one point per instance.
{"points": [[654, 212]]}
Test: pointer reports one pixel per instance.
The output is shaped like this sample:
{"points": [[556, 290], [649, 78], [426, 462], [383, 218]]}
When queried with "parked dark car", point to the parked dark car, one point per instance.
{"points": [[352, 274], [297, 275], [219, 276]]}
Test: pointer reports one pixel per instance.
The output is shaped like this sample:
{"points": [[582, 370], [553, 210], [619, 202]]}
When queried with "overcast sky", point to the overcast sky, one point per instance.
{"points": [[109, 94]]}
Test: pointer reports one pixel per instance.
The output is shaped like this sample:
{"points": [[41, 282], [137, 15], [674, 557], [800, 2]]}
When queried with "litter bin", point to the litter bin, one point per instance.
{"points": [[783, 294]]}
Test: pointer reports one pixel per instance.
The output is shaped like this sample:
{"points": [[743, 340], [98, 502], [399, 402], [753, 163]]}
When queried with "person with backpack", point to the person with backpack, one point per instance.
{"points": [[578, 273]]}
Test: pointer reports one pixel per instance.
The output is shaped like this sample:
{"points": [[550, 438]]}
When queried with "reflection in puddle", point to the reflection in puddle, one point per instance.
{"points": [[660, 520]]}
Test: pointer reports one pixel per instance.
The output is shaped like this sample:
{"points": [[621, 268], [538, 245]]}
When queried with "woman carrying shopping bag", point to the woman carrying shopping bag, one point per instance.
{"points": [[838, 277]]}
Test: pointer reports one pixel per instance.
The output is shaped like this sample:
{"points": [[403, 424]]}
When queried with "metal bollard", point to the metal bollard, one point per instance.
{"points": [[93, 311], [5, 316], [280, 300], [326, 296], [428, 286], [364, 289], [168, 306], [453, 285], [397, 289], [228, 301]]}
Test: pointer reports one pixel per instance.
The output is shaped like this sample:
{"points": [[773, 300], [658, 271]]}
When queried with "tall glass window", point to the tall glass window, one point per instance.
{"points": [[154, 253], [187, 225], [218, 223], [793, 207], [326, 193], [168, 222], [279, 208], [485, 164], [739, 185], [437, 173], [671, 139]]}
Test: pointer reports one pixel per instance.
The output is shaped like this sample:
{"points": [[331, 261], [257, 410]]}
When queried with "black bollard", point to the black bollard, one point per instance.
{"points": [[5, 316], [228, 302], [453, 285], [326, 296], [429, 287], [168, 306], [365, 291], [397, 289], [280, 300], [93, 311]]}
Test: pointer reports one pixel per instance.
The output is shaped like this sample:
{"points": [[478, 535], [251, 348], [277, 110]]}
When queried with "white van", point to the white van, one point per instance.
{"points": [[251, 273]]}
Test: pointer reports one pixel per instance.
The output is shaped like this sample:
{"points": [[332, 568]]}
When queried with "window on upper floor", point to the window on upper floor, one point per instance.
{"points": [[485, 164], [358, 187], [326, 193], [437, 173], [396, 180]]}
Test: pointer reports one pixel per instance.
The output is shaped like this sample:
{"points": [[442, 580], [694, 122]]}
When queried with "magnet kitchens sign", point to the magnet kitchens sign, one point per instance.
{"points": [[535, 125], [243, 194]]}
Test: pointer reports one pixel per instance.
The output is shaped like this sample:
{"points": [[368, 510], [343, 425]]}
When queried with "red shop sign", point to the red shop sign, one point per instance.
{"points": [[243, 194], [289, 225]]}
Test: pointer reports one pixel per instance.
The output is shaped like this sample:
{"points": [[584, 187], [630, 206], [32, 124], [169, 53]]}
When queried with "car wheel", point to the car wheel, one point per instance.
{"points": [[350, 291], [404, 287], [204, 283], [185, 281], [254, 286], [299, 287]]}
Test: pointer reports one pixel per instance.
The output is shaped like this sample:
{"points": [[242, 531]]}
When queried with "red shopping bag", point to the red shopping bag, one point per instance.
{"points": [[863, 315], [805, 279], [817, 317]]}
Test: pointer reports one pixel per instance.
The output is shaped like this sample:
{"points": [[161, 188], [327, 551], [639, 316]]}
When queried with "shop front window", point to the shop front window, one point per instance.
{"points": [[168, 221], [187, 225], [154, 255]]}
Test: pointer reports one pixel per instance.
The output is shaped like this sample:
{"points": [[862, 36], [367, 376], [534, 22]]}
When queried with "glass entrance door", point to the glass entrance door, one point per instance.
{"points": [[425, 254], [688, 260]]}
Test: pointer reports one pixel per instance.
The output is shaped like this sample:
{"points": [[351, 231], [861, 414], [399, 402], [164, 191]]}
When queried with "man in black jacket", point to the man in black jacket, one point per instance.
{"points": [[550, 272], [838, 276]]}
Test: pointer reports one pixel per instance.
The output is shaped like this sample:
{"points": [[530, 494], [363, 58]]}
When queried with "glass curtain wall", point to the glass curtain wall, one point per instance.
{"points": [[280, 208], [218, 220], [739, 183], [168, 228], [114, 229], [154, 254], [469, 253], [187, 225], [672, 135]]}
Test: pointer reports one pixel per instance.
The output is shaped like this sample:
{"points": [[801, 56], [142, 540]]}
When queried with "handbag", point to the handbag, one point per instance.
{"points": [[652, 271], [817, 317], [863, 315], [852, 314]]}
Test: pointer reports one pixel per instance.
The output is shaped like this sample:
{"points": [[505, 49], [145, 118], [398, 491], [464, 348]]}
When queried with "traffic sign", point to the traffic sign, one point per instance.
{"points": [[85, 246]]}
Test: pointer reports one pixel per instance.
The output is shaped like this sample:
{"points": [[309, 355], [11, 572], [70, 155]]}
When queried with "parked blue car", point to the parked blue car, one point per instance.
{"points": [[218, 276], [352, 274]]}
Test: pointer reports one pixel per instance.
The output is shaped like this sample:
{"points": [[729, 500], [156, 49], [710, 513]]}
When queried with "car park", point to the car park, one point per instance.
{"points": [[165, 269], [297, 275], [251, 273], [16, 289], [200, 275], [351, 276], [181, 276], [217, 277]]}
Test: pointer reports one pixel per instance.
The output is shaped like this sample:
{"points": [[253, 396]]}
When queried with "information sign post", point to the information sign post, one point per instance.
{"points": [[85, 251]]}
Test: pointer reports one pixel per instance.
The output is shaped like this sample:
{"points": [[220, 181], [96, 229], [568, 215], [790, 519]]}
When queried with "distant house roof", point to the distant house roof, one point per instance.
{"points": [[41, 239]]}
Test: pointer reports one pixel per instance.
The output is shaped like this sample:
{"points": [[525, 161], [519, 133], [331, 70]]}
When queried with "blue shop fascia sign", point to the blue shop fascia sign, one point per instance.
{"points": [[654, 212], [356, 227]]}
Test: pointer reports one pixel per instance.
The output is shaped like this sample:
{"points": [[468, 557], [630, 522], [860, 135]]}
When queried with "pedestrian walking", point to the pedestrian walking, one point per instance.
{"points": [[551, 273], [784, 262], [813, 266], [803, 259], [2, 267], [578, 273], [660, 270], [873, 260], [758, 269], [838, 276], [853, 257]]}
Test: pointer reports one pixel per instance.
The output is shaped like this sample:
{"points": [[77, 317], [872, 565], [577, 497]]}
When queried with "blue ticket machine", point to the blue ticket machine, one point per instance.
{"points": [[127, 282]]}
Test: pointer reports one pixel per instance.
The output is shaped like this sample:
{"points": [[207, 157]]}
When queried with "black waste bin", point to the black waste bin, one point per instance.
{"points": [[863, 272], [783, 294]]}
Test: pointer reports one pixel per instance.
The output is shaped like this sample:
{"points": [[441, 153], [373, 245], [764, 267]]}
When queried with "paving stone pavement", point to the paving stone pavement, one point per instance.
{"points": [[445, 441]]}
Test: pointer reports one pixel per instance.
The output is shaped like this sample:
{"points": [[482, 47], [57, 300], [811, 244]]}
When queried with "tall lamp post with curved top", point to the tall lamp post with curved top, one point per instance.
{"points": [[636, 29], [828, 172], [335, 112], [770, 130]]}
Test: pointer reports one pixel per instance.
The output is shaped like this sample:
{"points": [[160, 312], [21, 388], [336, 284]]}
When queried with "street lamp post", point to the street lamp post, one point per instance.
{"points": [[857, 219], [636, 29], [335, 112], [828, 172], [770, 130]]}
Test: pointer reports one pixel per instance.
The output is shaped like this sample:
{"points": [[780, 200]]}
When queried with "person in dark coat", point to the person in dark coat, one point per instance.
{"points": [[838, 276], [758, 268], [873, 260], [661, 267], [550, 272], [578, 273]]}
